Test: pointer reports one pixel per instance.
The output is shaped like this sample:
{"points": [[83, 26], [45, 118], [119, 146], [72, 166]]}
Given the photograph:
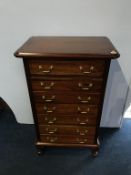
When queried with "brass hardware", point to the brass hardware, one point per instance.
{"points": [[113, 52], [51, 139], [82, 132], [49, 111], [41, 83], [84, 101], [87, 72], [81, 142], [90, 85], [40, 67], [46, 118], [78, 119], [83, 112], [46, 71], [47, 87], [82, 123], [48, 100], [86, 130], [50, 121], [51, 131]]}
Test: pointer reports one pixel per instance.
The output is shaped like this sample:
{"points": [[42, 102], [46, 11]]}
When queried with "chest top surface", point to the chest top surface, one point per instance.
{"points": [[71, 47]]}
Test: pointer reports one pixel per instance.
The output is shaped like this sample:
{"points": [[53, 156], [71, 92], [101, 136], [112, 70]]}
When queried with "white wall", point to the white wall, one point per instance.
{"points": [[21, 19]]}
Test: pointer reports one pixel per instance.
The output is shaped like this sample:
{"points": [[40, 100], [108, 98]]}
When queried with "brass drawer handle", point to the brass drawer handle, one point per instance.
{"points": [[50, 121], [47, 87], [48, 100], [81, 141], [87, 72], [82, 132], [51, 131], [82, 123], [52, 140], [84, 101], [90, 85], [83, 112], [45, 71], [49, 111]]}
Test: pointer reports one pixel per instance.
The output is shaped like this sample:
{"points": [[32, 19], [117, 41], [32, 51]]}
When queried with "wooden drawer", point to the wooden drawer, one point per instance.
{"points": [[89, 68], [78, 119], [63, 129], [66, 109], [84, 85], [66, 139], [72, 97]]}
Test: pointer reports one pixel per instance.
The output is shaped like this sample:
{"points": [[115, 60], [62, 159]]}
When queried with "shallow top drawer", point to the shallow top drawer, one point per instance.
{"points": [[88, 68]]}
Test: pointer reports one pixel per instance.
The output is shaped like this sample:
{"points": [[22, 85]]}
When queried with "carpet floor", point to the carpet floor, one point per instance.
{"points": [[18, 154]]}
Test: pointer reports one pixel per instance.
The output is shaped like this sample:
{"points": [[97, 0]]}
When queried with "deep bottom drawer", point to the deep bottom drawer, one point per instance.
{"points": [[66, 139]]}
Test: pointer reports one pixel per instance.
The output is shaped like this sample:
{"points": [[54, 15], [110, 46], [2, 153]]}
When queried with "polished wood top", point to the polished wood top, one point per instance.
{"points": [[74, 47]]}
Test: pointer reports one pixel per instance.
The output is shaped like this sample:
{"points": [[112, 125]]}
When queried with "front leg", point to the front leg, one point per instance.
{"points": [[40, 151], [95, 150]]}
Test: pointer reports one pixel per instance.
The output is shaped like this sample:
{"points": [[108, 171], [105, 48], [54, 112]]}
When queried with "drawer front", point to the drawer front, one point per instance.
{"points": [[66, 109], [79, 97], [86, 85], [88, 68], [74, 130], [66, 139], [82, 120]]}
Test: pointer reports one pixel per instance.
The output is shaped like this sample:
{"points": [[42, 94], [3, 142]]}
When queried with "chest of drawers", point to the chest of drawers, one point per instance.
{"points": [[66, 77]]}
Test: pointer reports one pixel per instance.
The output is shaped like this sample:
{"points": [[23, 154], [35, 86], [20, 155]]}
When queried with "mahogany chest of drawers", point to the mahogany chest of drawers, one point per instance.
{"points": [[66, 78]]}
